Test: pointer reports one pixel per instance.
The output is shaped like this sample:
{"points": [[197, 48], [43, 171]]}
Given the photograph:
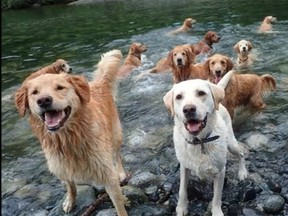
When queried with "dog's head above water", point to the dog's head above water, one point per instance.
{"points": [[192, 101], [52, 98]]}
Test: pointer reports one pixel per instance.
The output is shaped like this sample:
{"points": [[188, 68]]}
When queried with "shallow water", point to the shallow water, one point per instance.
{"points": [[34, 38]]}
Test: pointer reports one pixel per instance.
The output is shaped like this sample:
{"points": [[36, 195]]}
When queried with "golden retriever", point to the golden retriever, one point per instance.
{"points": [[133, 59], [187, 25], [202, 47], [205, 45], [78, 126], [244, 57], [59, 66], [242, 89], [202, 136], [163, 64], [180, 59], [266, 24]]}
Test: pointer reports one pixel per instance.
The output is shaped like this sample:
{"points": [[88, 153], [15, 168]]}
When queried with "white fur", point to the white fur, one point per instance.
{"points": [[211, 164]]}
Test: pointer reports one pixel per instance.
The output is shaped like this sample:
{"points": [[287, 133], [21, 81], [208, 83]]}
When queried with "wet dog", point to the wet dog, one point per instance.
{"points": [[187, 25], [243, 89], [205, 46], [59, 66], [133, 59], [266, 24], [244, 57], [78, 126], [181, 59], [202, 137]]}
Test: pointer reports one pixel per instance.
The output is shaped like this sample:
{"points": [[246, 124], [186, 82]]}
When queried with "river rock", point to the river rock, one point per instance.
{"points": [[274, 204]]}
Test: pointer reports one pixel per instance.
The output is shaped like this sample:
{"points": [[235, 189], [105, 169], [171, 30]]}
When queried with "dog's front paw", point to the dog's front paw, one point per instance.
{"points": [[68, 205], [242, 174], [181, 210]]}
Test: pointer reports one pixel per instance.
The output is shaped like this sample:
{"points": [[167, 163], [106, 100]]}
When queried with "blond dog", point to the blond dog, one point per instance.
{"points": [[78, 127]]}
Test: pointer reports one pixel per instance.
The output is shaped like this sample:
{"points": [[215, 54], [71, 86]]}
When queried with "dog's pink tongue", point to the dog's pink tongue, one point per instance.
{"points": [[52, 118], [217, 79], [193, 127]]}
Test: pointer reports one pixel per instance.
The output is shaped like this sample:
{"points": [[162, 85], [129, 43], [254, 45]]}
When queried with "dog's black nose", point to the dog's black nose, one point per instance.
{"points": [[45, 101], [218, 72], [189, 110], [70, 70], [179, 61], [244, 48]]}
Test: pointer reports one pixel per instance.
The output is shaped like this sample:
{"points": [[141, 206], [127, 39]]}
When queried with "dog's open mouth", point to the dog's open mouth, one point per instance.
{"points": [[217, 79], [195, 126], [55, 119]]}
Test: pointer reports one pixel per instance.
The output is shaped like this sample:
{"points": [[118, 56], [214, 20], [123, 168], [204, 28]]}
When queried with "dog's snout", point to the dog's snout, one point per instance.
{"points": [[45, 101], [244, 48], [218, 72], [179, 60], [189, 110]]}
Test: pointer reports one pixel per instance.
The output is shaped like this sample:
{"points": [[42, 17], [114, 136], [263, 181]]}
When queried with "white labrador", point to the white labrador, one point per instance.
{"points": [[202, 136]]}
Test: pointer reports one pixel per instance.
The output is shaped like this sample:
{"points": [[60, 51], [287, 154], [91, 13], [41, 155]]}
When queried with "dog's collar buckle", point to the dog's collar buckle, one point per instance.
{"points": [[201, 142]]}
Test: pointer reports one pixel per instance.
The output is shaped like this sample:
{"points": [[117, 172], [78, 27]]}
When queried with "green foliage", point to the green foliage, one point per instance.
{"points": [[17, 4]]}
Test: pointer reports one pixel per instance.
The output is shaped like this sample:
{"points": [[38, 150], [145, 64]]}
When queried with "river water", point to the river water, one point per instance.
{"points": [[33, 38]]}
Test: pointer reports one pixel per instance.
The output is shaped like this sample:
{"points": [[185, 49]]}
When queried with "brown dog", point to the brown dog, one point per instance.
{"points": [[266, 24], [205, 45], [180, 59], [133, 59], [78, 127], [243, 89], [202, 47], [187, 25], [244, 57], [59, 66]]}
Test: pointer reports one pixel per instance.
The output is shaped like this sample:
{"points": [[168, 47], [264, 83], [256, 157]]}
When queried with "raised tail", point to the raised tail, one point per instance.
{"points": [[106, 72], [268, 84], [226, 79]]}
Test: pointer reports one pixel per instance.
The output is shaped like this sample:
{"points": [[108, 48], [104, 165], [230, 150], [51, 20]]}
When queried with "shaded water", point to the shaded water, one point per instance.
{"points": [[34, 38]]}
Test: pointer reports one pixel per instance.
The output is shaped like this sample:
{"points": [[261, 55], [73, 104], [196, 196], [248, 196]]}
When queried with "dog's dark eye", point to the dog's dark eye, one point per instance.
{"points": [[60, 87], [212, 63], [183, 53], [63, 65], [174, 54], [223, 62], [35, 92], [201, 93], [179, 97]]}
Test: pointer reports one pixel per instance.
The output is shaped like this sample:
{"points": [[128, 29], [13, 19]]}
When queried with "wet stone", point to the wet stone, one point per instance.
{"points": [[274, 204], [251, 212], [274, 186], [142, 179]]}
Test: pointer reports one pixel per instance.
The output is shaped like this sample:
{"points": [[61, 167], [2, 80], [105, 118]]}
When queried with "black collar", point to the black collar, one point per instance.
{"points": [[207, 139]]}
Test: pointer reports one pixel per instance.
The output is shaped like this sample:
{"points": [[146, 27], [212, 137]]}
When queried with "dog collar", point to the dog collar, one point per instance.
{"points": [[201, 142]]}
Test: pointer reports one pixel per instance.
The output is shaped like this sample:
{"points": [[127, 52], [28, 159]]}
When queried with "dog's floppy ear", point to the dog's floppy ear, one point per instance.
{"points": [[81, 87], [168, 101], [191, 55], [218, 94], [236, 48], [229, 64], [250, 46], [21, 100], [170, 59]]}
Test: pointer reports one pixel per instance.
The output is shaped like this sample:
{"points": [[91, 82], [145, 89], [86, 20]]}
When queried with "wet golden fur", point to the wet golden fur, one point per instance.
{"points": [[205, 45], [243, 89], [86, 149], [59, 66], [244, 57], [133, 59], [187, 25], [181, 59], [266, 24]]}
